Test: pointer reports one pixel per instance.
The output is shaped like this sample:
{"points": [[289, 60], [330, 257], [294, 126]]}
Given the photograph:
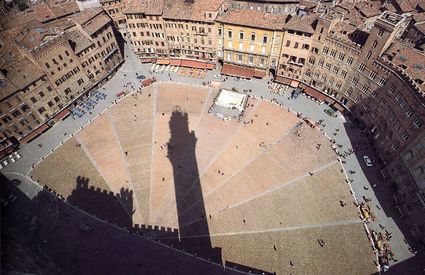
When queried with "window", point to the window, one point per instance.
{"points": [[369, 54], [41, 110], [372, 74], [311, 60], [47, 65], [325, 50], [24, 107], [60, 57], [229, 56], [253, 37], [265, 39], [335, 69], [328, 66], [49, 88], [321, 61], [343, 74], [355, 80], [397, 125], [41, 94], [341, 56], [56, 99], [417, 122], [288, 43], [261, 61], [296, 45], [66, 52], [405, 135], [374, 44], [362, 67], [241, 35], [381, 33], [229, 34], [350, 60], [365, 88], [305, 47], [333, 53], [16, 113], [251, 60], [239, 58], [33, 100], [67, 91], [50, 104], [219, 31]]}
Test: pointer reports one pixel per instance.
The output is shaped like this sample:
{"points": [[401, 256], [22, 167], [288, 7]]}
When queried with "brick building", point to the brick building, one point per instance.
{"points": [[46, 66]]}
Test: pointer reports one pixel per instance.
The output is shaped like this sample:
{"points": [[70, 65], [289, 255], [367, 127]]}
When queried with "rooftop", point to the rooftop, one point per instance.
{"points": [[409, 59], [151, 7], [302, 24], [181, 9], [78, 41], [20, 74], [254, 18], [96, 23]]}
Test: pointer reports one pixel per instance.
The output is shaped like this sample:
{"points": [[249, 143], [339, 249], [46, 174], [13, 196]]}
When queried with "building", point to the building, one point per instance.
{"points": [[46, 66], [407, 175], [190, 28], [145, 28], [114, 8], [249, 42], [274, 6]]}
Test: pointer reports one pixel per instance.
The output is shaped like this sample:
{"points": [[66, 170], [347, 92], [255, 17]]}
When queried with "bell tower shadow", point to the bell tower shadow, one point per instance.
{"points": [[196, 237]]}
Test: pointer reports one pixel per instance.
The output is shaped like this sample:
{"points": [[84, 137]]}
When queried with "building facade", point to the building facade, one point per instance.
{"points": [[46, 66]]}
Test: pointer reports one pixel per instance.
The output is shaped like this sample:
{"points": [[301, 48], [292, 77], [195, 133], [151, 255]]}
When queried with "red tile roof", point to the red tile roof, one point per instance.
{"points": [[254, 18]]}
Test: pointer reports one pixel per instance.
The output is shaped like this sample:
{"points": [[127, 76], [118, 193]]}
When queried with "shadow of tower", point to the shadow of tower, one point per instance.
{"points": [[196, 237]]}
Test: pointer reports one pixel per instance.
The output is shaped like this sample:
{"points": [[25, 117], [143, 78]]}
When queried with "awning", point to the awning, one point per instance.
{"points": [[146, 60], [175, 62], [35, 133], [6, 151], [338, 107], [294, 83], [193, 64], [62, 114], [160, 61], [210, 66], [237, 71], [329, 100], [120, 94], [147, 82], [314, 93], [259, 74], [282, 80]]}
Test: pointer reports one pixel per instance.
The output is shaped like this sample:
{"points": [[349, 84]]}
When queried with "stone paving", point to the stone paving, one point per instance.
{"points": [[364, 177]]}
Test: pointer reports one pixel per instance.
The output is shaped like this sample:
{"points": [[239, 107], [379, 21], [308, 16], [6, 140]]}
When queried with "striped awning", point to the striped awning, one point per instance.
{"points": [[35, 133], [234, 70]]}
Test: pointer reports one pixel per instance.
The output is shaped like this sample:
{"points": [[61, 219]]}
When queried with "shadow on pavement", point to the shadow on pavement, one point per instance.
{"points": [[363, 144], [47, 236]]}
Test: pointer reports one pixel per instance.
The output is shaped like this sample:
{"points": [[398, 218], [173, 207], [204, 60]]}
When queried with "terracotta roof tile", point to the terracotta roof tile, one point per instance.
{"points": [[369, 9], [180, 9], [303, 24], [254, 18], [79, 41], [411, 59]]}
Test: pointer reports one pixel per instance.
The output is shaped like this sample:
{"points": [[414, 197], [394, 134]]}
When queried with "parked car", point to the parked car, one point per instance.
{"points": [[219, 76], [367, 161], [330, 112]]}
